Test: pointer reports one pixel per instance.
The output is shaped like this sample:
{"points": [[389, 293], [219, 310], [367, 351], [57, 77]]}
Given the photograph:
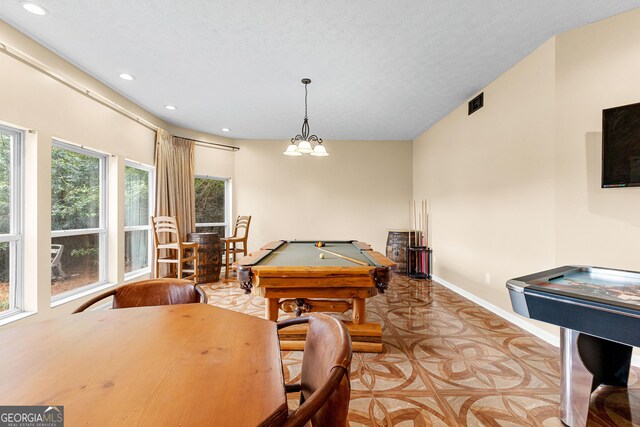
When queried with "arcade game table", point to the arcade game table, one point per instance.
{"points": [[598, 311]]}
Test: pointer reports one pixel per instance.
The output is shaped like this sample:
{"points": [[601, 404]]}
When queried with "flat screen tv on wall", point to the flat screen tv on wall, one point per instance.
{"points": [[621, 146]]}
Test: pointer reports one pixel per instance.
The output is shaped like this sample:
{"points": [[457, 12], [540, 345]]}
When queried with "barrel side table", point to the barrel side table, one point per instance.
{"points": [[209, 256]]}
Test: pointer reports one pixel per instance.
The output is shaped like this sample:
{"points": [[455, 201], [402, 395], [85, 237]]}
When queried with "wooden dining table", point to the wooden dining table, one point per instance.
{"points": [[188, 364]]}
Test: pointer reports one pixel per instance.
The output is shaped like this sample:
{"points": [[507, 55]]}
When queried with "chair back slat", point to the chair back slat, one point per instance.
{"points": [[170, 249], [165, 229], [325, 386], [241, 228], [237, 242], [328, 345]]}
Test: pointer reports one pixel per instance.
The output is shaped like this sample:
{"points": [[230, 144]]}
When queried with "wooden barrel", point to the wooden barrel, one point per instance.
{"points": [[397, 243], [209, 256]]}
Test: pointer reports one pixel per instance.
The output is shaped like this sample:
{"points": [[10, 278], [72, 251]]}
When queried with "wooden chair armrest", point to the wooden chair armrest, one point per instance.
{"points": [[203, 296], [94, 300], [304, 412]]}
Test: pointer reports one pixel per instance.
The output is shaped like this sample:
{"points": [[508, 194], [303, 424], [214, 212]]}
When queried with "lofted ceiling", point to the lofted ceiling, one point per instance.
{"points": [[380, 69]]}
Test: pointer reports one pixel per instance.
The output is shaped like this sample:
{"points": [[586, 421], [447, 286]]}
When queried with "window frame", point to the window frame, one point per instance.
{"points": [[227, 202], [103, 222], [151, 170], [15, 237]]}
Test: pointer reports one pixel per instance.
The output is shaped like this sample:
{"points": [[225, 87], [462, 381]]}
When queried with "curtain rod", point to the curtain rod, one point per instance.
{"points": [[46, 70], [211, 144]]}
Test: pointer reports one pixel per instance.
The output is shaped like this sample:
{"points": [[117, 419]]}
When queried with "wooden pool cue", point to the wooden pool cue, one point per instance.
{"points": [[415, 226], [409, 241], [426, 224], [345, 257]]}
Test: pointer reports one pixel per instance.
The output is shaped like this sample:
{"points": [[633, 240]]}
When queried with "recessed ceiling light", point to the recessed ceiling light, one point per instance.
{"points": [[170, 107], [126, 76], [35, 9], [225, 129]]}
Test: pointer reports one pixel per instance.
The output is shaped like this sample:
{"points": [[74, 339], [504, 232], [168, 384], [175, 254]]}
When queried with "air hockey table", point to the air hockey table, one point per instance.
{"points": [[598, 311]]}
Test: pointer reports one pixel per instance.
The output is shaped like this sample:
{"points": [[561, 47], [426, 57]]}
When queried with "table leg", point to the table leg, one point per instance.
{"points": [[271, 308], [359, 311], [588, 362]]}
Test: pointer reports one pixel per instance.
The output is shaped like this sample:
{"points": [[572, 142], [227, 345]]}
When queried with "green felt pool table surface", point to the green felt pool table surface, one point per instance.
{"points": [[305, 253]]}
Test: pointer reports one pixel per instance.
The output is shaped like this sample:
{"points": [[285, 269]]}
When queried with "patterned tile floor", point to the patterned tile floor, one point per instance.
{"points": [[449, 362]]}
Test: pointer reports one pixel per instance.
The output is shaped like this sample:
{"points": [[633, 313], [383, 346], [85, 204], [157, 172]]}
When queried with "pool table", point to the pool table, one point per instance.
{"points": [[298, 277], [598, 311]]}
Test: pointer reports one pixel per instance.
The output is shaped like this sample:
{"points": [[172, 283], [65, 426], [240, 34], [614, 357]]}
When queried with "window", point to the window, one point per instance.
{"points": [[138, 192], [212, 205], [11, 156], [78, 219]]}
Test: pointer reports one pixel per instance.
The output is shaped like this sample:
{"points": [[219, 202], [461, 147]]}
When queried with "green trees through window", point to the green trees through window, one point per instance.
{"points": [[75, 190], [77, 217], [10, 212], [211, 205], [5, 218], [5, 183], [137, 234]]}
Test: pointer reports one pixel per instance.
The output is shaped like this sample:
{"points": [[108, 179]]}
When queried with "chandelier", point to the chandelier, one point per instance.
{"points": [[304, 140]]}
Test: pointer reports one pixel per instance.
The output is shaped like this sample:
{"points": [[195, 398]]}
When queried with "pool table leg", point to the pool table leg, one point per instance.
{"points": [[359, 311], [271, 308]]}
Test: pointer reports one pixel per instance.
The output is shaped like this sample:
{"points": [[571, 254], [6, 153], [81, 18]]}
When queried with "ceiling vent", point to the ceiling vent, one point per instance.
{"points": [[476, 103]]}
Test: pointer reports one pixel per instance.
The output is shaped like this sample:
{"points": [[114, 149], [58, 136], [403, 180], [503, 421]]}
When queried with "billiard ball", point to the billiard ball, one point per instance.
{"points": [[322, 256], [319, 244]]}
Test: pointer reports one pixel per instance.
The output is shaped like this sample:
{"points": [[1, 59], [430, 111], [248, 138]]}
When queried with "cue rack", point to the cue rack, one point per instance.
{"points": [[419, 254]]}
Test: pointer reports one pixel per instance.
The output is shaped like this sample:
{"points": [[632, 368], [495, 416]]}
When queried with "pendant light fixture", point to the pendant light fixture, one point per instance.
{"points": [[304, 139]]}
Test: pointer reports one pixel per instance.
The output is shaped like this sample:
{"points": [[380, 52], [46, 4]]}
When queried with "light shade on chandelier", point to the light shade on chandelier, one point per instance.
{"points": [[303, 139]]}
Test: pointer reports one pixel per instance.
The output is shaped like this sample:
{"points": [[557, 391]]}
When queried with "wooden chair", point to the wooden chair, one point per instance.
{"points": [[166, 236], [151, 292], [324, 388], [56, 262], [239, 236]]}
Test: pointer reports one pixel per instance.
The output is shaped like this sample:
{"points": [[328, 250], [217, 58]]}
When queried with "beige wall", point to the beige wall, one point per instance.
{"points": [[359, 192], [41, 104], [515, 187], [218, 162], [489, 178], [598, 67]]}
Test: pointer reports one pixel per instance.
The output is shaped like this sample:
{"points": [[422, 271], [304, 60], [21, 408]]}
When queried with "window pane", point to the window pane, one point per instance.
{"points": [[210, 203], [216, 229], [136, 196], [5, 183], [75, 190], [5, 275], [136, 250], [10, 187], [75, 262]]}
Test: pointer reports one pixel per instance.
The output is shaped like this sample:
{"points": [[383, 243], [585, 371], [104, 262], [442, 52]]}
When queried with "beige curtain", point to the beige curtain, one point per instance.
{"points": [[175, 192]]}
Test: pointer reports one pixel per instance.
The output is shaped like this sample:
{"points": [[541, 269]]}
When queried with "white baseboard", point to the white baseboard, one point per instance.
{"points": [[512, 317]]}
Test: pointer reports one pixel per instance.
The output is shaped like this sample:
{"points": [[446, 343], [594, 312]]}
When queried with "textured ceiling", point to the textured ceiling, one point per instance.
{"points": [[381, 69]]}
